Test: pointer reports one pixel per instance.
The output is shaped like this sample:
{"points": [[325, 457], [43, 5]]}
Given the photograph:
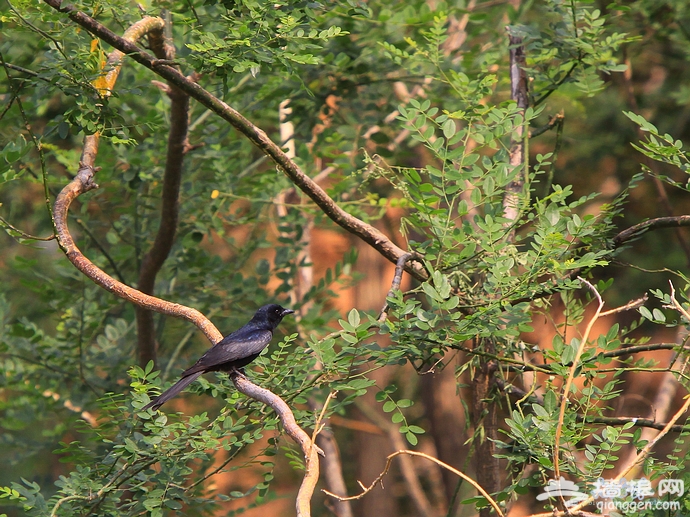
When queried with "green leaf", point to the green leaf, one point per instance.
{"points": [[389, 406], [412, 438], [353, 318]]}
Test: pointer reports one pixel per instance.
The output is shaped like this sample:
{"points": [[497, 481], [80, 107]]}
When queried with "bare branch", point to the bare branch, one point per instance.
{"points": [[414, 486], [380, 477], [395, 284], [633, 304], [652, 224], [677, 305], [645, 348], [554, 121]]}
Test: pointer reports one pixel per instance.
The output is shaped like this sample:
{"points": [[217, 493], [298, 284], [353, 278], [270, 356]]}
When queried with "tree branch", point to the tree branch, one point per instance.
{"points": [[414, 486], [310, 451], [571, 376], [258, 137], [395, 284], [652, 224]]}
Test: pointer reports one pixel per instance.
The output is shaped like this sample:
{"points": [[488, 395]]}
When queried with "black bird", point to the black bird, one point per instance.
{"points": [[233, 352]]}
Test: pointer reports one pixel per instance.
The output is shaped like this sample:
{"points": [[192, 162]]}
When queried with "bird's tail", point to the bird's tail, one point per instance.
{"points": [[172, 391]]}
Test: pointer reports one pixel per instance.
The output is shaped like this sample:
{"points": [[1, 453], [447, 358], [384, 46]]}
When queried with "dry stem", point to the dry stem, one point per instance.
{"points": [[379, 479], [571, 376]]}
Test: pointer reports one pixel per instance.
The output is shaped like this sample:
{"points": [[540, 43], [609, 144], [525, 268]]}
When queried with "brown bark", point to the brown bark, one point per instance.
{"points": [[167, 229], [485, 418]]}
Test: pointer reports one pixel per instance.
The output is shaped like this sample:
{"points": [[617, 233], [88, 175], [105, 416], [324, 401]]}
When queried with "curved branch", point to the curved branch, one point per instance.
{"points": [[258, 137], [83, 182], [310, 451]]}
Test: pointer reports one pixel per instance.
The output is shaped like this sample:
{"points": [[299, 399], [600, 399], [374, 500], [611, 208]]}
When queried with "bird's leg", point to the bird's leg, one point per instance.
{"points": [[237, 371]]}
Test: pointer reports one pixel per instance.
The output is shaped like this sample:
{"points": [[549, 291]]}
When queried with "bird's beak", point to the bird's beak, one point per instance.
{"points": [[286, 312]]}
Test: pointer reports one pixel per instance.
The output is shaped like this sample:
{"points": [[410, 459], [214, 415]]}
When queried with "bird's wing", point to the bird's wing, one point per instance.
{"points": [[238, 345]]}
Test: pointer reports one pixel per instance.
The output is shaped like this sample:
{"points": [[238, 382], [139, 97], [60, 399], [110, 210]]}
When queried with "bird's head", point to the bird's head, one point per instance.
{"points": [[271, 314]]}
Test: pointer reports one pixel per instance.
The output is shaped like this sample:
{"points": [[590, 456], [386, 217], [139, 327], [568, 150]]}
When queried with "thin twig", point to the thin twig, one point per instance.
{"points": [[34, 139], [395, 284], [379, 479], [554, 121], [571, 376], [318, 426], [4, 222], [634, 304]]}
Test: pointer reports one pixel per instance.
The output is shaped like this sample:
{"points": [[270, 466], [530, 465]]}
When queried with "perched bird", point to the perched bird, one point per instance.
{"points": [[233, 352]]}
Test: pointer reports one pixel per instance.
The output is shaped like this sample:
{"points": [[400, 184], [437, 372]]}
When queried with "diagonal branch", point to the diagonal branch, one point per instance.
{"points": [[571, 376], [258, 137], [652, 224]]}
